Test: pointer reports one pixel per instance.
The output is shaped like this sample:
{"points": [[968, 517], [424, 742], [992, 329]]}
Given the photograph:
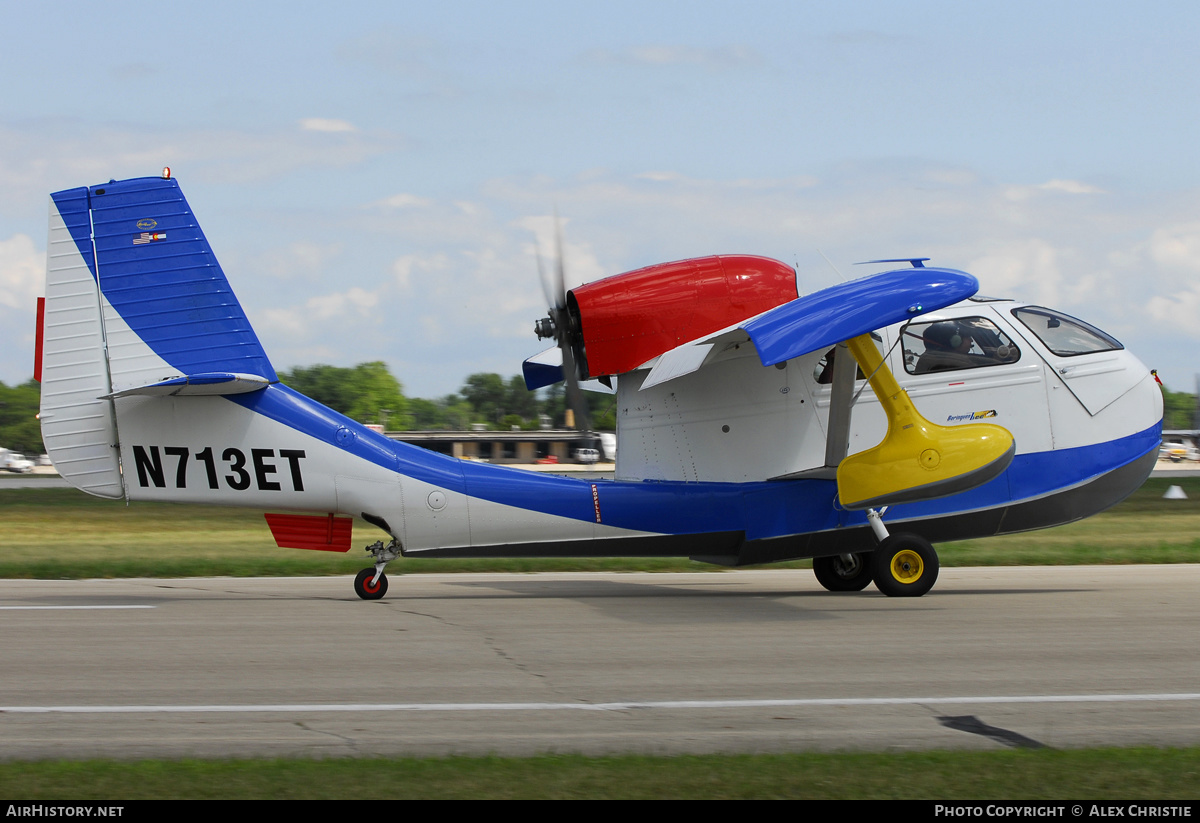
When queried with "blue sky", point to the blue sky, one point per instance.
{"points": [[374, 176]]}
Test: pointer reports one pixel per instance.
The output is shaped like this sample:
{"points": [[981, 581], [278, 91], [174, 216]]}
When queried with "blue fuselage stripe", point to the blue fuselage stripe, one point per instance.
{"points": [[760, 509]]}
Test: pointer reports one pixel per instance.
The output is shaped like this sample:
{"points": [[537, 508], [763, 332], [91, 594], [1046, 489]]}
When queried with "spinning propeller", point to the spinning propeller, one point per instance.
{"points": [[563, 327]]}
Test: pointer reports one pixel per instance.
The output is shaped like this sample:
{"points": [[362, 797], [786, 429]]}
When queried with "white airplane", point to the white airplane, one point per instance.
{"points": [[745, 429]]}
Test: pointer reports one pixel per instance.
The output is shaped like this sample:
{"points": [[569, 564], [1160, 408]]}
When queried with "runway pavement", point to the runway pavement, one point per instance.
{"points": [[746, 661]]}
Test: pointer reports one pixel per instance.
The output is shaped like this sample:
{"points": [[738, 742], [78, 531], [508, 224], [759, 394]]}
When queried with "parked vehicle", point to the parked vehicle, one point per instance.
{"points": [[1178, 452], [15, 462]]}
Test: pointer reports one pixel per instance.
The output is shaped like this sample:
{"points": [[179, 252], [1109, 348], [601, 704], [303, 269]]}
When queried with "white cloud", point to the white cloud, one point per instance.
{"points": [[404, 266], [318, 314], [326, 124], [402, 201], [44, 156], [1026, 269], [1180, 312], [1052, 186], [1177, 246], [300, 260], [22, 270], [1070, 187], [660, 176], [675, 55]]}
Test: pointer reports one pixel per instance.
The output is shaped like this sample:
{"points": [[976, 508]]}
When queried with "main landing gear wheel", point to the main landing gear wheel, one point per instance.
{"points": [[365, 589], [843, 572], [905, 565]]}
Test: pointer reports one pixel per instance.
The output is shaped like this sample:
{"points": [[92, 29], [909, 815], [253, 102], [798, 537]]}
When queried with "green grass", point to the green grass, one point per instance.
{"points": [[1142, 529], [1095, 774], [62, 533]]}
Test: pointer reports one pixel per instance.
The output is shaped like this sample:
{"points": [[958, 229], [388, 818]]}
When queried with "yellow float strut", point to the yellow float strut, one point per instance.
{"points": [[917, 460]]}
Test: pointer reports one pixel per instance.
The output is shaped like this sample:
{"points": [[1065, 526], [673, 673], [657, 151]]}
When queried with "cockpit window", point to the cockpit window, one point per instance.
{"points": [[1064, 335], [962, 343]]}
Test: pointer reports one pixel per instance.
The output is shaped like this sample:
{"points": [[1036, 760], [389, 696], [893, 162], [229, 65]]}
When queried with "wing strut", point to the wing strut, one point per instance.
{"points": [[841, 399]]}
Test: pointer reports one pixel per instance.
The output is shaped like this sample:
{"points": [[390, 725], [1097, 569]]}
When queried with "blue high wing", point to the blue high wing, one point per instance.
{"points": [[828, 317], [836, 314]]}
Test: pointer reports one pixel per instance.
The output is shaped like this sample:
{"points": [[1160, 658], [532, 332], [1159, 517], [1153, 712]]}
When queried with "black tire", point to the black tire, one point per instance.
{"points": [[363, 588], [838, 576], [905, 565]]}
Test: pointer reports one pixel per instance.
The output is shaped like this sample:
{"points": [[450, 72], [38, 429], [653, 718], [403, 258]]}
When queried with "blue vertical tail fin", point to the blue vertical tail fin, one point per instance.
{"points": [[136, 303]]}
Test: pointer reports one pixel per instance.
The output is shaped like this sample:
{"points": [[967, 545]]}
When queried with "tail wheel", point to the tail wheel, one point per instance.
{"points": [[837, 574], [365, 589], [905, 565]]}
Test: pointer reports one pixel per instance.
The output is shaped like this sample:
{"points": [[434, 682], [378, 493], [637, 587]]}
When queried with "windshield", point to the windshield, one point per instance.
{"points": [[1065, 335]]}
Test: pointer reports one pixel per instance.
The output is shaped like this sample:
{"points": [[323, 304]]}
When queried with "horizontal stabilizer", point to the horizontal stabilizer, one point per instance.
{"points": [[215, 383], [543, 369], [318, 532]]}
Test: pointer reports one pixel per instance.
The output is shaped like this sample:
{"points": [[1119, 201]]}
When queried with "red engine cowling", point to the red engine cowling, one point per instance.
{"points": [[633, 317]]}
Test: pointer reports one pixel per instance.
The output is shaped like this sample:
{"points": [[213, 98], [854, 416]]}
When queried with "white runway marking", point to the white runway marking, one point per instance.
{"points": [[65, 608], [610, 707]]}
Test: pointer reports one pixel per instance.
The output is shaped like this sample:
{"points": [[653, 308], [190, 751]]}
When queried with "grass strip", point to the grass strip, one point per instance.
{"points": [[62, 533], [1092, 774]]}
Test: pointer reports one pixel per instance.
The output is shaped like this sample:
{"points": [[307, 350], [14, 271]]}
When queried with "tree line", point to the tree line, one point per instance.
{"points": [[370, 394]]}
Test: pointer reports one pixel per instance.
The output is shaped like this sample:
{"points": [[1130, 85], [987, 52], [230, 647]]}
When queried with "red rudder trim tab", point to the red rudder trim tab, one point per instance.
{"points": [[318, 532]]}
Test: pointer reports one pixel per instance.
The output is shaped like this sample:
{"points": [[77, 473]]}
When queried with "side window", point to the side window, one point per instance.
{"points": [[1064, 335], [962, 343]]}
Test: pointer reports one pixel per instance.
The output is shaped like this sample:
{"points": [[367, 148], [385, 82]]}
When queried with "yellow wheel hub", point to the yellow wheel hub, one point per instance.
{"points": [[907, 566]]}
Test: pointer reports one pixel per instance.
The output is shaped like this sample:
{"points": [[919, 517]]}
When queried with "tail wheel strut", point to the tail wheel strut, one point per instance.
{"points": [[372, 583]]}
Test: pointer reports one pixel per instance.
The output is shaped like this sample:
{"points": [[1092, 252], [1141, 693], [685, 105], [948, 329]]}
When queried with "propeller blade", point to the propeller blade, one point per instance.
{"points": [[558, 325], [546, 290], [576, 402], [560, 293]]}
